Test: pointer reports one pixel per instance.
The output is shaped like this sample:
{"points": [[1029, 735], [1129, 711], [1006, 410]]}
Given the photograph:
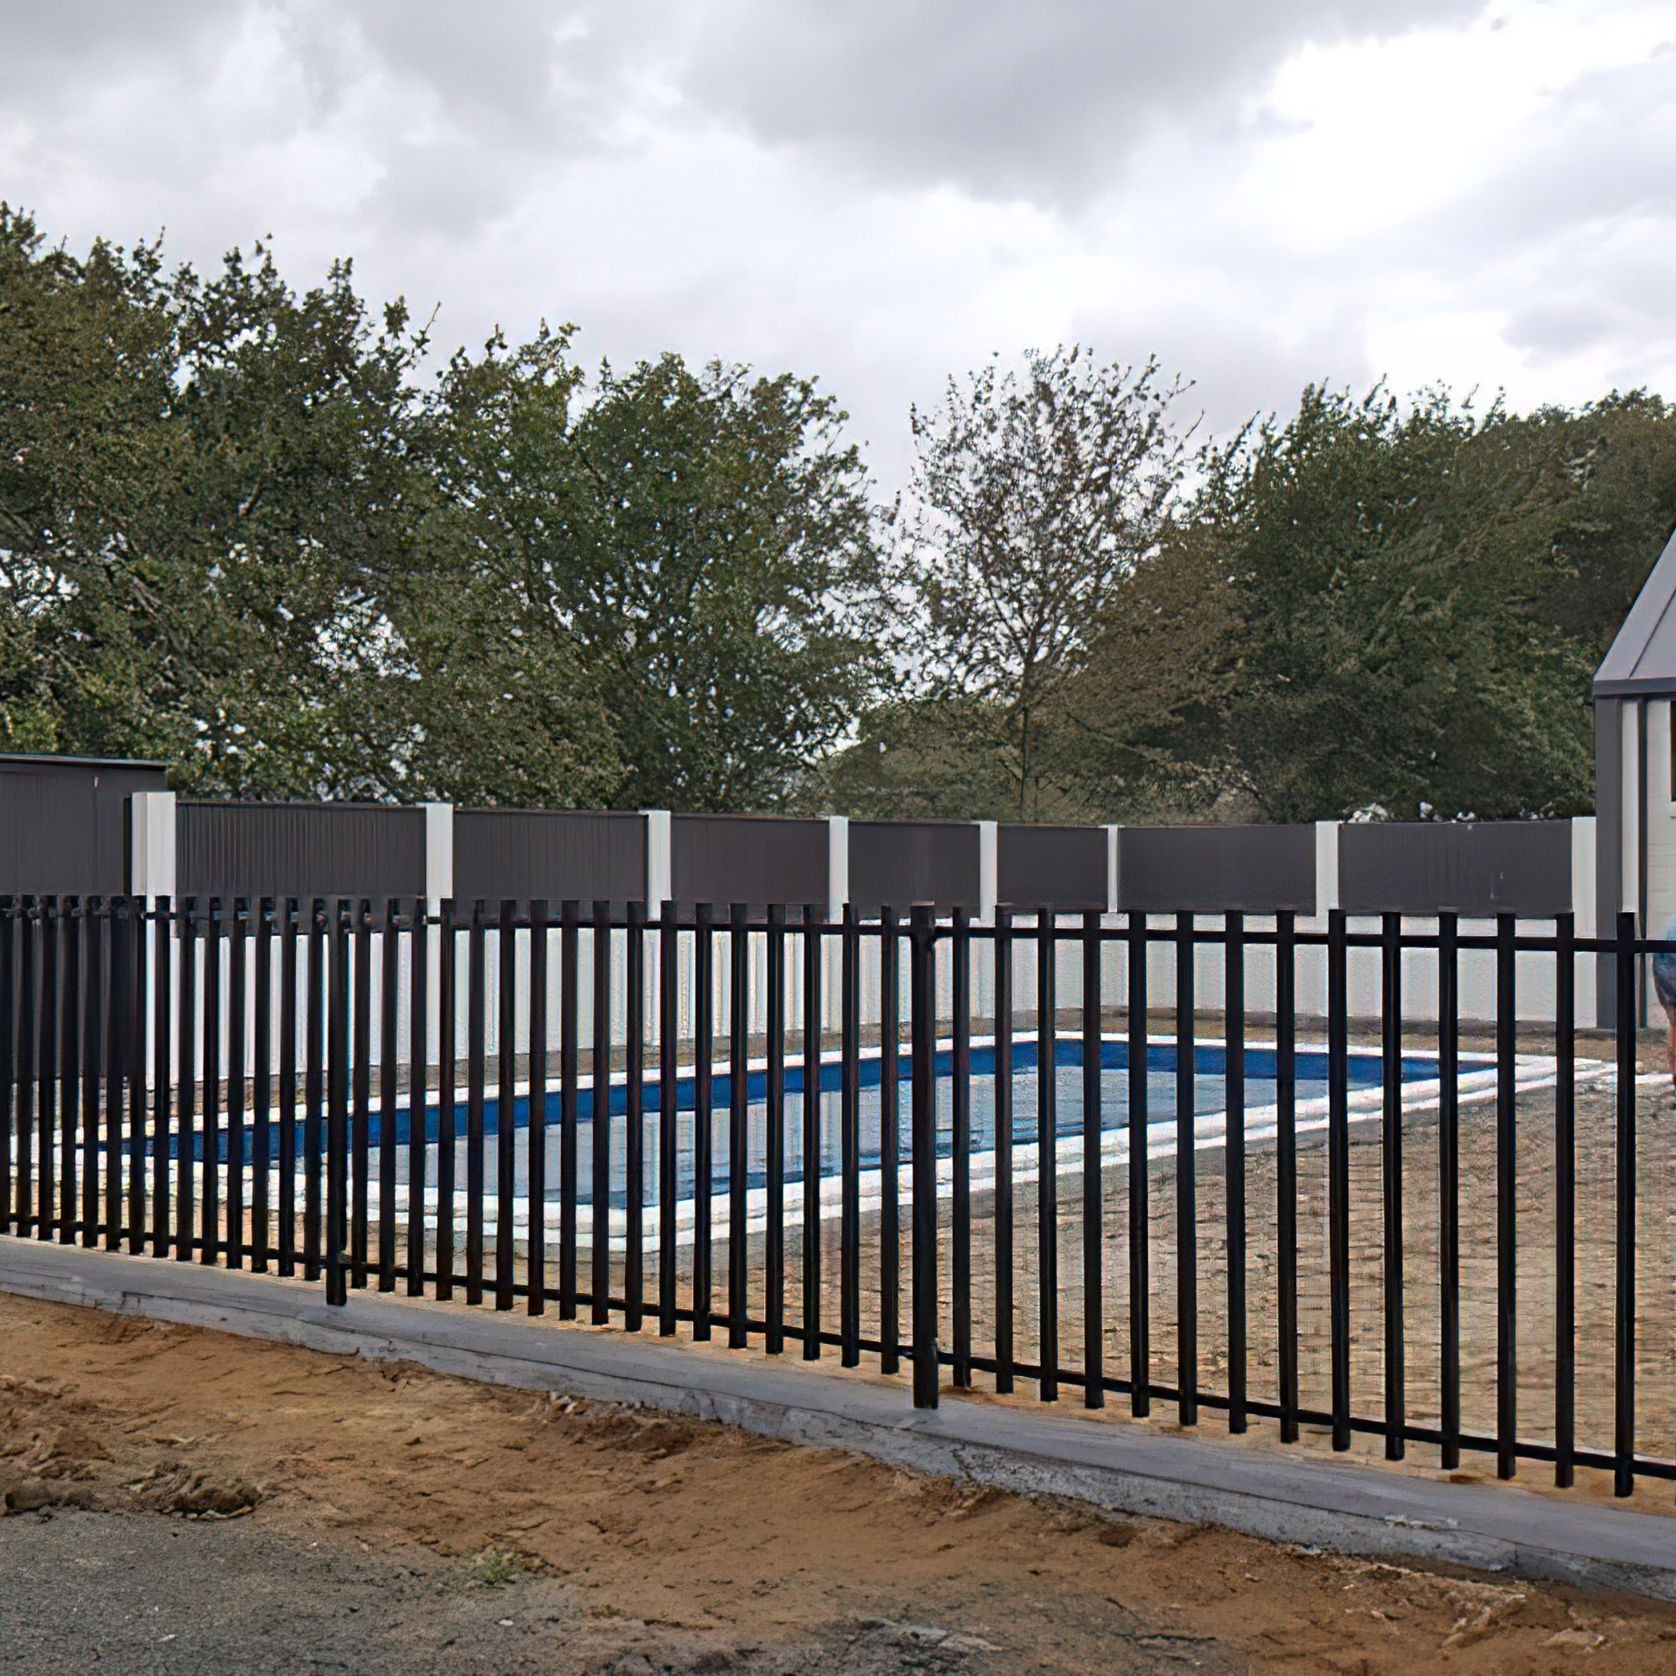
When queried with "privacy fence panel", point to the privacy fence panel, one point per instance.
{"points": [[342, 849], [1471, 868], [903, 864], [1064, 867], [556, 854], [64, 822], [751, 859]]}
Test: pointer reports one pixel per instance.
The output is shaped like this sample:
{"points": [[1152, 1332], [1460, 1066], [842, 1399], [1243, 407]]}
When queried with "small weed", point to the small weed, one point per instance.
{"points": [[500, 1568]]}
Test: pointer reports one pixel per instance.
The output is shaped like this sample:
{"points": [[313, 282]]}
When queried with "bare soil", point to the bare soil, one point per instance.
{"points": [[185, 1500]]}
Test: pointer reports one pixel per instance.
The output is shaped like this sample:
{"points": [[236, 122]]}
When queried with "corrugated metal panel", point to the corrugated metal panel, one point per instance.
{"points": [[299, 849], [755, 859], [1051, 866], [906, 864], [1467, 867], [64, 823], [1216, 869], [557, 854]]}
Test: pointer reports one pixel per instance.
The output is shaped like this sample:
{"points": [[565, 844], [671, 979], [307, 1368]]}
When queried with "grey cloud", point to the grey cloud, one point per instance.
{"points": [[1600, 150], [1576, 225], [1007, 100], [99, 37]]}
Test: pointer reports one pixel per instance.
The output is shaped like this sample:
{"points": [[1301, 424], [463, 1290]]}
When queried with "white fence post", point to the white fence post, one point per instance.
{"points": [[439, 851], [1326, 867], [660, 880], [151, 843], [837, 864], [989, 870]]}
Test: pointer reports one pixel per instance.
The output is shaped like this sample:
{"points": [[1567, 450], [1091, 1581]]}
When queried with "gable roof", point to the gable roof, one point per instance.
{"points": [[1642, 660]]}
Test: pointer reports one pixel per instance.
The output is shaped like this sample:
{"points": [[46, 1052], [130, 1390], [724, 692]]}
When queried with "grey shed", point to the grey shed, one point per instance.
{"points": [[1635, 787]]}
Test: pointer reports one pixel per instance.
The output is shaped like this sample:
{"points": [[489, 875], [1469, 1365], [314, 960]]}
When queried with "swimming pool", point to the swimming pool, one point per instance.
{"points": [[1209, 1099]]}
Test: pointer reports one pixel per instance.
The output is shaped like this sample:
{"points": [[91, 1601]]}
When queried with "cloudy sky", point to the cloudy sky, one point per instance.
{"points": [[880, 191]]}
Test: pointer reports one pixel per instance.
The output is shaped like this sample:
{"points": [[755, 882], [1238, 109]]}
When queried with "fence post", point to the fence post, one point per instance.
{"points": [[439, 851], [849, 1139], [1390, 967], [1623, 1471], [151, 843], [960, 1204], [739, 1112], [660, 876], [922, 1012], [837, 865], [1338, 1173], [1565, 1199], [1507, 1221], [1093, 1305], [668, 1027], [337, 1107]]}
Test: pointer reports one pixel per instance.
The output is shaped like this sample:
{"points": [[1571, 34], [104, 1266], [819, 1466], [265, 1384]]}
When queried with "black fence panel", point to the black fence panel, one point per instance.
{"points": [[907, 864], [754, 859], [1474, 868], [553, 854], [1051, 866], [299, 849], [229, 1081], [1216, 869]]}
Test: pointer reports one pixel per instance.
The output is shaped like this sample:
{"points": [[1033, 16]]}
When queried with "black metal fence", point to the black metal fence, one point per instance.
{"points": [[588, 1108]]}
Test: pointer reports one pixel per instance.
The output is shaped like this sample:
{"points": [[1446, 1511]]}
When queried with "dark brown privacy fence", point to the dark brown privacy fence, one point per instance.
{"points": [[70, 826], [750, 859], [356, 849], [525, 853], [935, 863], [1067, 866], [1212, 868], [64, 822], [1468, 867], [1035, 1165]]}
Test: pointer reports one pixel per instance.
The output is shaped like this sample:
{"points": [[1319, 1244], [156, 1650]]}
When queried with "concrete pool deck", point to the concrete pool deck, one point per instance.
{"points": [[1122, 1466]]}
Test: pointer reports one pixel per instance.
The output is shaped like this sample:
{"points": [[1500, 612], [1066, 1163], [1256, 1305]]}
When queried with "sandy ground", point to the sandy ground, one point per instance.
{"points": [[1535, 1265], [186, 1501]]}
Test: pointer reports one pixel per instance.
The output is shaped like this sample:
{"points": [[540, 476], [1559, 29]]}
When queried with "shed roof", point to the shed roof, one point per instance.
{"points": [[1642, 660]]}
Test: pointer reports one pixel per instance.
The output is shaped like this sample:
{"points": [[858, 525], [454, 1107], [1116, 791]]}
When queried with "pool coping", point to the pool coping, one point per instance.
{"points": [[1115, 1464]]}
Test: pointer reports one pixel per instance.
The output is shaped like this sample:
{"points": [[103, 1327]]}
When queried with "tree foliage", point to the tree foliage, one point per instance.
{"points": [[1036, 498], [267, 535], [242, 531]]}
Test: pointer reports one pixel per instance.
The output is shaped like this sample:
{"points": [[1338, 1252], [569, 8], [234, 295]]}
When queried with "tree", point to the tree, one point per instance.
{"points": [[1036, 497], [1137, 722], [201, 482], [504, 710], [722, 585], [1385, 560]]}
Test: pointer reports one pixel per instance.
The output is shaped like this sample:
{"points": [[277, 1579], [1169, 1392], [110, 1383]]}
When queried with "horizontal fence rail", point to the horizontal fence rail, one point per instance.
{"points": [[1041, 1149]]}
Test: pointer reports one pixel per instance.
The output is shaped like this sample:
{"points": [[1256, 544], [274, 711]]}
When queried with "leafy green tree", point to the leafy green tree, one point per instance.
{"points": [[916, 758], [503, 708], [1384, 560], [1610, 472], [202, 481], [1137, 722], [721, 588], [238, 532], [1037, 495]]}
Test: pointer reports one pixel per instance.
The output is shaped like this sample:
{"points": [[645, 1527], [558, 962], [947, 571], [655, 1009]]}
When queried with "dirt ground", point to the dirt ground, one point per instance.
{"points": [[182, 1500]]}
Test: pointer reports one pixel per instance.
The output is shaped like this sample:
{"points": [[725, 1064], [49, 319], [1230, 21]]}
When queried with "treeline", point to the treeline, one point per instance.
{"points": [[273, 538]]}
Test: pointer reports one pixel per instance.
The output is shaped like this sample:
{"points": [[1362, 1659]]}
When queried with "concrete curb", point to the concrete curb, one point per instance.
{"points": [[1127, 1469]]}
